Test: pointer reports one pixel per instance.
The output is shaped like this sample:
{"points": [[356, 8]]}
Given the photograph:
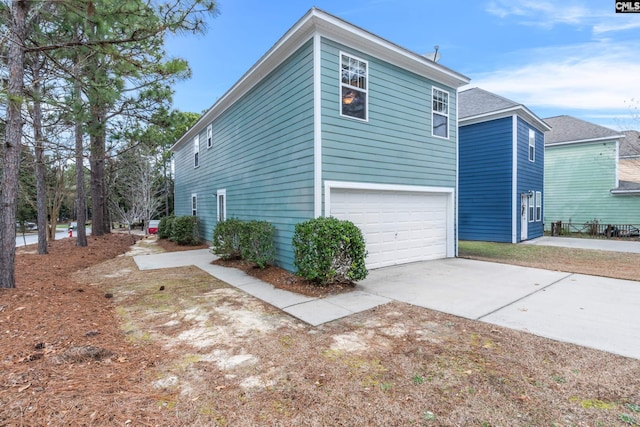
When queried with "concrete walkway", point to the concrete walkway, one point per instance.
{"points": [[597, 244], [591, 311], [314, 311]]}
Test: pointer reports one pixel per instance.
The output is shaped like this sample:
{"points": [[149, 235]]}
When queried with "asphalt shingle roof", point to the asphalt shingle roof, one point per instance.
{"points": [[630, 145], [475, 101], [567, 129]]}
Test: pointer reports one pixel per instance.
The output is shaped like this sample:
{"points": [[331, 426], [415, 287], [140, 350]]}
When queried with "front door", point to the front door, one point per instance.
{"points": [[524, 220]]}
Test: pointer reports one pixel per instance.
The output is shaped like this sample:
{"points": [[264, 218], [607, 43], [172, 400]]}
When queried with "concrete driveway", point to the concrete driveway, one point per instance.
{"points": [[596, 312]]}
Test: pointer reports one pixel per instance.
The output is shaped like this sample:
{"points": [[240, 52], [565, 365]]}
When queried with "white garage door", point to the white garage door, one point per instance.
{"points": [[398, 226]]}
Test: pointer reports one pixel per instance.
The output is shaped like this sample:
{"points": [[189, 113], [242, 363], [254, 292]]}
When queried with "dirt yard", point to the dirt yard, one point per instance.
{"points": [[88, 339]]}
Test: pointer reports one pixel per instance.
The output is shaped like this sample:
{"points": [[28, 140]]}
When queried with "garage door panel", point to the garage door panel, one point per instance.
{"points": [[398, 227]]}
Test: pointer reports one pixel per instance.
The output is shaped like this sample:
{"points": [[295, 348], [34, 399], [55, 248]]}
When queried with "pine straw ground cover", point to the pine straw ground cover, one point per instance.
{"points": [[178, 347]]}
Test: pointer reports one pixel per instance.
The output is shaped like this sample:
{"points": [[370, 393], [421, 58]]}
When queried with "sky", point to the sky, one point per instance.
{"points": [[555, 57]]}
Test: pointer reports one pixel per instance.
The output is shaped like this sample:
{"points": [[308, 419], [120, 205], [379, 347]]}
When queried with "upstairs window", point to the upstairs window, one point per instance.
{"points": [[532, 145], [440, 113], [209, 136], [354, 81], [196, 151]]}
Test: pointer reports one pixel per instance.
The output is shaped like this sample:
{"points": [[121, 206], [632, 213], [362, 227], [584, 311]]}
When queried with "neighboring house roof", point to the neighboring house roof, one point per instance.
{"points": [[570, 130], [630, 145], [316, 21], [477, 105]]}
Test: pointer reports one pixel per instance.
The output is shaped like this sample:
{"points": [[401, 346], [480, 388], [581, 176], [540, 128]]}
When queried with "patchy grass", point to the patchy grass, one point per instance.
{"points": [[618, 265]]}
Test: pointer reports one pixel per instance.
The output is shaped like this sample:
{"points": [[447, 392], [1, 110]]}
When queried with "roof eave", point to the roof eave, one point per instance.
{"points": [[341, 31], [584, 141], [521, 110], [635, 192]]}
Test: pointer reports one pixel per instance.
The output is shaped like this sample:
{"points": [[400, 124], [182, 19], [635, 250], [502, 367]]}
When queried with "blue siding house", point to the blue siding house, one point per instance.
{"points": [[501, 169], [331, 121]]}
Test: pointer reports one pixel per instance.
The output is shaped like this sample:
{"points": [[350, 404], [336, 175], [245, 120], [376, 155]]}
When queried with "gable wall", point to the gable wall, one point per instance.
{"points": [[578, 180], [530, 174], [485, 202], [262, 155], [395, 146]]}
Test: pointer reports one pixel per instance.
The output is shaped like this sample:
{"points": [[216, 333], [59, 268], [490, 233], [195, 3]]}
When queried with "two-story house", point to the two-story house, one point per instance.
{"points": [[331, 121]]}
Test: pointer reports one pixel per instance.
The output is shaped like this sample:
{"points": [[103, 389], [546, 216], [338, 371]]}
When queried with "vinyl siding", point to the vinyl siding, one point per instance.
{"points": [[262, 155], [530, 174], [485, 195], [395, 146], [578, 180]]}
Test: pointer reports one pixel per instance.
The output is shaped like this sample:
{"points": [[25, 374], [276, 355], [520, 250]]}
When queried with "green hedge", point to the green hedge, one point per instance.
{"points": [[256, 243], [184, 230], [165, 226], [328, 250], [249, 240], [226, 239]]}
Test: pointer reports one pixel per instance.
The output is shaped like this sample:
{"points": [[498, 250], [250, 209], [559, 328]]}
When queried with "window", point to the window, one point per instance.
{"points": [[354, 79], [222, 204], [538, 206], [194, 204], [209, 136], [440, 108], [531, 204], [196, 151], [532, 145]]}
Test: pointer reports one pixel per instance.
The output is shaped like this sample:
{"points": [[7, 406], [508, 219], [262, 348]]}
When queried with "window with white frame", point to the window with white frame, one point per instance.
{"points": [[194, 204], [354, 82], [209, 136], [531, 204], [196, 151], [440, 113], [538, 206], [222, 204], [532, 145]]}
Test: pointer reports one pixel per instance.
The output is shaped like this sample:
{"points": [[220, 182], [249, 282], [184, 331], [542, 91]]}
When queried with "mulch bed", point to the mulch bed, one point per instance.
{"points": [[283, 279], [63, 357]]}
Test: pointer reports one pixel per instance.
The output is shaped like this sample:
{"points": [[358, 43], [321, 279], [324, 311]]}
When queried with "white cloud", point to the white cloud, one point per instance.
{"points": [[541, 12], [547, 14], [618, 24], [600, 77]]}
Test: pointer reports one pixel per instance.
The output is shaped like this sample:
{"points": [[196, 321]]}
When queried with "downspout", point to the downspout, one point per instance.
{"points": [[515, 198], [455, 198], [317, 127]]}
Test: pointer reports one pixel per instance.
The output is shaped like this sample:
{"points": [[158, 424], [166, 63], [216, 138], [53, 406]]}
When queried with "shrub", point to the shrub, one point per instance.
{"points": [[226, 239], [328, 250], [248, 240], [165, 226], [256, 243], [184, 230]]}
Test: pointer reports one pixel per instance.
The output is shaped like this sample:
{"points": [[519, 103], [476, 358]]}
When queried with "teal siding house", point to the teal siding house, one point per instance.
{"points": [[331, 121], [502, 159], [592, 173]]}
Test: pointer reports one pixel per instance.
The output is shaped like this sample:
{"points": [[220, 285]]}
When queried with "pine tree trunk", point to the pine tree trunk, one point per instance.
{"points": [[11, 159], [97, 185], [81, 198], [41, 189]]}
